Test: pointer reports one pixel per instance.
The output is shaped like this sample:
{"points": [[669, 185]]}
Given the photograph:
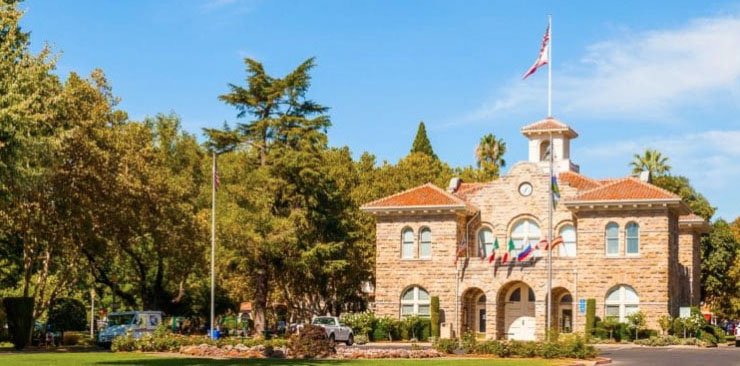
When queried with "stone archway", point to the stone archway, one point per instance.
{"points": [[473, 317], [563, 310], [516, 312]]}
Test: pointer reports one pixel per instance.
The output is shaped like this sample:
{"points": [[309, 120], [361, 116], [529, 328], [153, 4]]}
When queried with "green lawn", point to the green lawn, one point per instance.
{"points": [[107, 358]]}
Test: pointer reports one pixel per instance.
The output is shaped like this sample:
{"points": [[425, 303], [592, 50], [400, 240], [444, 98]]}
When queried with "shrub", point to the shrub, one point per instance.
{"points": [[523, 348], [665, 322], [361, 323], [434, 321], [666, 340], [469, 342], [445, 345], [636, 322], [311, 342], [413, 328], [19, 311], [67, 314], [70, 339], [361, 339], [492, 347], [386, 328], [707, 339], [590, 316]]}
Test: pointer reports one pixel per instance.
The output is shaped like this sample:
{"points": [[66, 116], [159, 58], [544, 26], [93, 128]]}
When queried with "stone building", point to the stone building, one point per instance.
{"points": [[625, 243]]}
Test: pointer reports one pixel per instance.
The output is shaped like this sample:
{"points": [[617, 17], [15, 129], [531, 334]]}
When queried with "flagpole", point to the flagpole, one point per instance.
{"points": [[550, 205], [549, 68], [213, 241]]}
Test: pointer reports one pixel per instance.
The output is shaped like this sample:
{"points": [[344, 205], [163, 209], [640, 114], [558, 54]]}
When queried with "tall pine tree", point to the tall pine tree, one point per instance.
{"points": [[421, 142]]}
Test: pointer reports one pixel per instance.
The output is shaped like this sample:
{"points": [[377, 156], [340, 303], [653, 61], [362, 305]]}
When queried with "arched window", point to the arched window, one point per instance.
{"points": [[632, 237], [612, 239], [621, 302], [485, 241], [525, 232], [516, 295], [407, 243], [568, 248], [425, 243], [545, 150], [415, 301], [530, 295]]}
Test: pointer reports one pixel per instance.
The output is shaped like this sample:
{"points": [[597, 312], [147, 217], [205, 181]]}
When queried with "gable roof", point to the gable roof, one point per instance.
{"points": [[427, 196], [549, 124], [626, 189]]}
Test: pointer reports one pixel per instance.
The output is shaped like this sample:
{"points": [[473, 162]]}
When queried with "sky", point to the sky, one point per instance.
{"points": [[627, 75]]}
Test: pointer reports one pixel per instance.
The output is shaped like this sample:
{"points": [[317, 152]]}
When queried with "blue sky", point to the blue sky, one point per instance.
{"points": [[626, 75]]}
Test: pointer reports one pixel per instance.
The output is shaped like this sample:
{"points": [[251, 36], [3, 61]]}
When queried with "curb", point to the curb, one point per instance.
{"points": [[598, 361]]}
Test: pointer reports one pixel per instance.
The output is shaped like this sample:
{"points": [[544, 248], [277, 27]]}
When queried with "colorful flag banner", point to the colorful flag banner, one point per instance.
{"points": [[524, 253], [461, 250], [542, 244], [557, 241], [492, 257], [555, 191], [543, 58], [510, 248]]}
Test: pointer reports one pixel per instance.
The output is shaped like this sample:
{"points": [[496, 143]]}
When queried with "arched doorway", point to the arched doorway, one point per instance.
{"points": [[474, 311], [518, 320], [562, 312]]}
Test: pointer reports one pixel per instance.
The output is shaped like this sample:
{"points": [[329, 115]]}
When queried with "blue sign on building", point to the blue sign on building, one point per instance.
{"points": [[582, 306]]}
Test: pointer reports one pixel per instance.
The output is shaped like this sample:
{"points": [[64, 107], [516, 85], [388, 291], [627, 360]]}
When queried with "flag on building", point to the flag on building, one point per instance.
{"points": [[555, 191], [524, 253], [492, 257], [544, 56], [509, 249], [557, 241], [542, 244]]}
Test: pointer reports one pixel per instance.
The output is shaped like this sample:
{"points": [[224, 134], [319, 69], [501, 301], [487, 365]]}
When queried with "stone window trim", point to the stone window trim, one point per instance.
{"points": [[623, 300], [628, 237], [610, 237], [408, 243], [415, 300], [482, 245], [424, 242], [562, 251], [531, 233]]}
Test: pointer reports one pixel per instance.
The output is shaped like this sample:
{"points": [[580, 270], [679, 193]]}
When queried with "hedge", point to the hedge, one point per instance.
{"points": [[19, 312]]}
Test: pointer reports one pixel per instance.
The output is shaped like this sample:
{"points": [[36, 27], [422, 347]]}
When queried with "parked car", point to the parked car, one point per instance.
{"points": [[336, 331], [135, 323]]}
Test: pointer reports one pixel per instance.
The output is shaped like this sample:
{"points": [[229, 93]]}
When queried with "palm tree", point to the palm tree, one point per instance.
{"points": [[652, 161], [490, 155]]}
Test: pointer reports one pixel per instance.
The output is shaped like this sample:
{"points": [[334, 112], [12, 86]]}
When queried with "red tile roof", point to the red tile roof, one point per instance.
{"points": [[426, 195], [625, 189], [549, 124], [578, 181]]}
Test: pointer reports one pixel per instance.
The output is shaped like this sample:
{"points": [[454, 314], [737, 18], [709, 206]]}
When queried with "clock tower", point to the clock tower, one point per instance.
{"points": [[539, 134]]}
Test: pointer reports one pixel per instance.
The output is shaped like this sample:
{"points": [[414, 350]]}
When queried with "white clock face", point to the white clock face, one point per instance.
{"points": [[525, 189]]}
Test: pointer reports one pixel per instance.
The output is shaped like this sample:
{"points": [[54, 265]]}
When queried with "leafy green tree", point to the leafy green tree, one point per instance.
{"points": [[682, 187], [67, 314], [652, 161], [490, 156], [718, 253], [636, 321], [421, 142]]}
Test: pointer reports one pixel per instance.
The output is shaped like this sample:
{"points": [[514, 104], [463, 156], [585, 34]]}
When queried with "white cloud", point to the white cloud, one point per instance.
{"points": [[643, 76], [709, 159]]}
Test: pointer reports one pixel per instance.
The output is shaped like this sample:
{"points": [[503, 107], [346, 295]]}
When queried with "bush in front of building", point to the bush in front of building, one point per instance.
{"points": [[388, 328], [434, 316], [162, 340], [67, 314], [362, 323], [311, 342], [567, 346], [590, 317]]}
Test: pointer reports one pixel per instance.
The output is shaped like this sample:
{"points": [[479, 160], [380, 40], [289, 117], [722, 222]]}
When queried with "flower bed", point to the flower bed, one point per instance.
{"points": [[352, 353]]}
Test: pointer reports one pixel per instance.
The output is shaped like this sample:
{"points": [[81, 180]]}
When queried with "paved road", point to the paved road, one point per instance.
{"points": [[670, 356]]}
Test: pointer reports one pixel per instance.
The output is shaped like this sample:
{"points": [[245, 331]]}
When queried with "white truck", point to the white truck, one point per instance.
{"points": [[135, 323], [334, 330]]}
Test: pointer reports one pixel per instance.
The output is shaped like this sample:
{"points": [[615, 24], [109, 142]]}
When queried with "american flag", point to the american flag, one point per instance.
{"points": [[543, 58]]}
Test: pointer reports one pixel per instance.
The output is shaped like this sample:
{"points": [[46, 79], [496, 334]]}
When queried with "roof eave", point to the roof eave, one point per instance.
{"points": [[648, 203], [415, 209]]}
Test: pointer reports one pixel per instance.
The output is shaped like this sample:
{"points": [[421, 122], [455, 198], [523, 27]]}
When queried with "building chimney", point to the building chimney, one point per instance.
{"points": [[454, 185], [645, 176]]}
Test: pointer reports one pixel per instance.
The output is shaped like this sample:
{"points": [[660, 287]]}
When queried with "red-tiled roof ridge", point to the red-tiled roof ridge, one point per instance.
{"points": [[549, 124], [425, 195], [578, 181], [625, 189], [466, 189]]}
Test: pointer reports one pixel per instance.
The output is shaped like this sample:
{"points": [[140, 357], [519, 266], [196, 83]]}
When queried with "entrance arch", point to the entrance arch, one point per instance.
{"points": [[562, 311], [516, 304], [474, 311]]}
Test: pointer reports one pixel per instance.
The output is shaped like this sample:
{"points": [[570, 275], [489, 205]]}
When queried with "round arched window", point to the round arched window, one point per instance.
{"points": [[525, 232], [415, 301], [621, 302]]}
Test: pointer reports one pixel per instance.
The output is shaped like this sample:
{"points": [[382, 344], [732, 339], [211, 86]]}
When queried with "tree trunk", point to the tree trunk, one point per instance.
{"points": [[260, 302]]}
